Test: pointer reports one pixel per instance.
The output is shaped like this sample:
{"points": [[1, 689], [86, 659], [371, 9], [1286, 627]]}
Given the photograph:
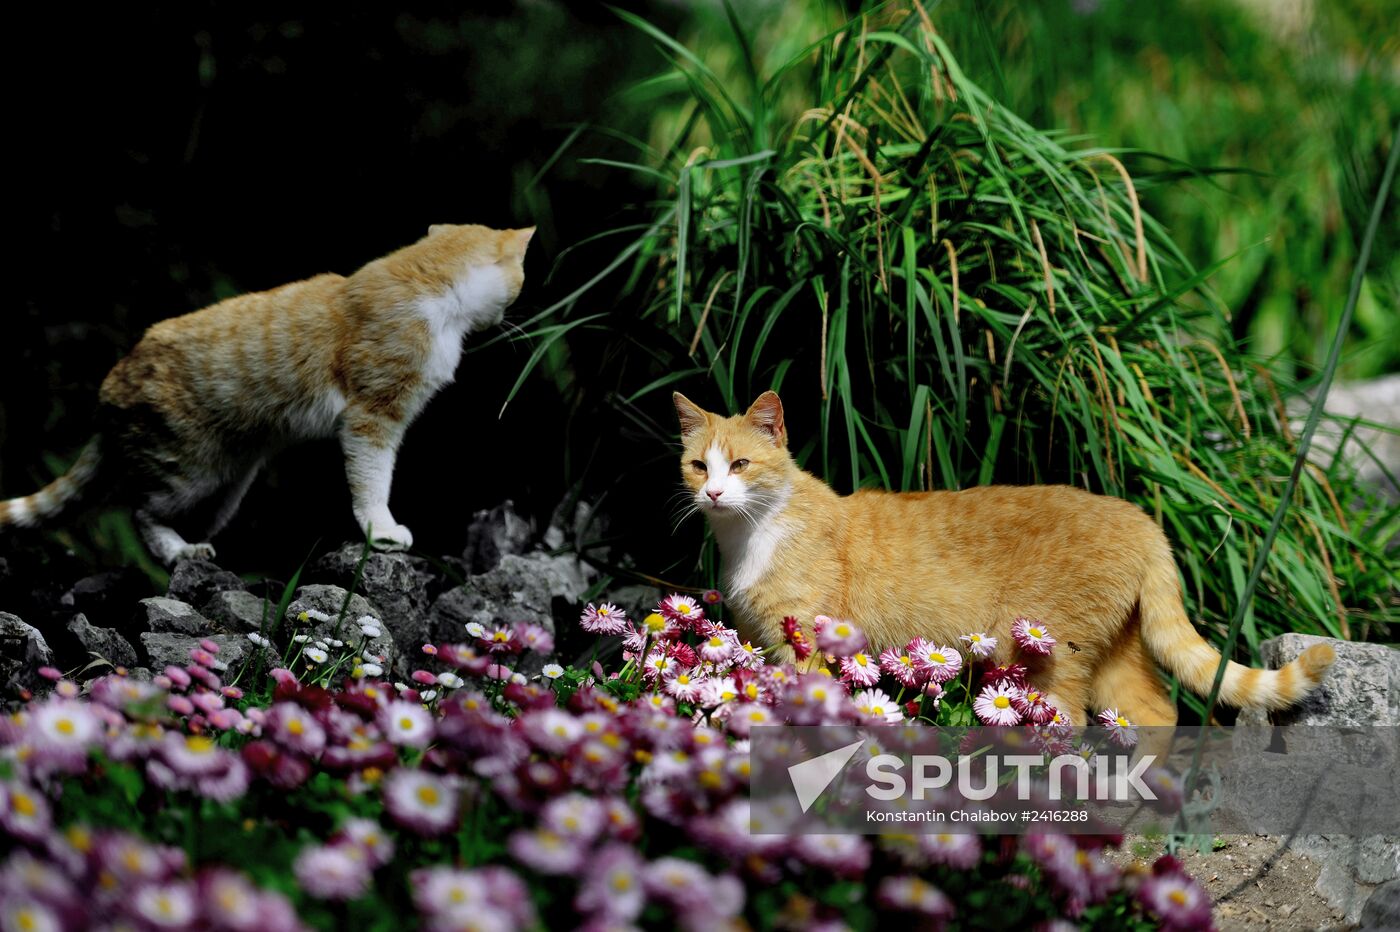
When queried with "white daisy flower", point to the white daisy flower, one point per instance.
{"points": [[258, 639], [476, 630], [302, 638], [552, 671], [371, 669], [450, 680], [406, 723], [316, 655], [428, 696]]}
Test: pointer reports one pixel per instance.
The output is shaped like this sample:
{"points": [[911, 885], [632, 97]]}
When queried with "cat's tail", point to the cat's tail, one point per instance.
{"points": [[56, 497], [1178, 646]]}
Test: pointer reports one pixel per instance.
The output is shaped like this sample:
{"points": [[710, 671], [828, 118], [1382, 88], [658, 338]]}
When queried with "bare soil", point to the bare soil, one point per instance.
{"points": [[1256, 882]]}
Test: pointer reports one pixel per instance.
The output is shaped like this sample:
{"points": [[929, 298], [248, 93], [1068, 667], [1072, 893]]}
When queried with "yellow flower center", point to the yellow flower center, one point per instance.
{"points": [[295, 726], [751, 690], [458, 895], [1178, 897], [1001, 702], [65, 726], [683, 609], [621, 883], [22, 804], [683, 679], [843, 631], [1036, 632], [906, 660], [654, 622], [936, 657], [1122, 722], [428, 796], [862, 660], [199, 744], [406, 723], [716, 641]]}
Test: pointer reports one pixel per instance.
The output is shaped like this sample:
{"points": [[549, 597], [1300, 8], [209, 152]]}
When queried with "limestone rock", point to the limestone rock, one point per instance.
{"points": [[106, 643], [164, 649], [493, 534], [534, 587], [171, 616], [1361, 688], [198, 581], [1382, 909], [327, 600], [237, 610], [395, 583], [23, 651]]}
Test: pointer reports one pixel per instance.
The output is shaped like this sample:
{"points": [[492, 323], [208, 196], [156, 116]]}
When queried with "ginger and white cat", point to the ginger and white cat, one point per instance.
{"points": [[200, 403], [1095, 569]]}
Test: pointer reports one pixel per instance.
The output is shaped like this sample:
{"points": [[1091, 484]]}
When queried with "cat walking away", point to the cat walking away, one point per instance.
{"points": [[938, 564], [186, 420]]}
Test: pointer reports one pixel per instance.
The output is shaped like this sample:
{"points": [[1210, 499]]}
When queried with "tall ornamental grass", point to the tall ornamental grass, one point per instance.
{"points": [[946, 296]]}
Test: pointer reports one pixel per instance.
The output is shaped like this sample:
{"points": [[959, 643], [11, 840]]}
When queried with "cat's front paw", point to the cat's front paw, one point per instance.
{"points": [[200, 551], [392, 537]]}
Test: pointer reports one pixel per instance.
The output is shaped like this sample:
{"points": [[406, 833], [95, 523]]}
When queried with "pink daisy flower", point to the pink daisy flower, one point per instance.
{"points": [[860, 669], [913, 894], [331, 872], [613, 888], [900, 664], [995, 705], [979, 645], [1033, 707], [1013, 673], [545, 851], [1032, 636], [794, 636], [875, 704], [605, 619], [421, 802], [836, 637], [938, 662], [1177, 900], [685, 684], [957, 851], [682, 610], [1120, 731], [716, 648]]}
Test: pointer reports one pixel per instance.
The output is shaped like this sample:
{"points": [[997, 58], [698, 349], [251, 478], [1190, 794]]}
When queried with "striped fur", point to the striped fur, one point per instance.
{"points": [[1095, 569], [189, 416]]}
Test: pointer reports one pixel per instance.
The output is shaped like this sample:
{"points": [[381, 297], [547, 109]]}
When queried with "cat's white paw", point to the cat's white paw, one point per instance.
{"points": [[200, 551], [391, 537]]}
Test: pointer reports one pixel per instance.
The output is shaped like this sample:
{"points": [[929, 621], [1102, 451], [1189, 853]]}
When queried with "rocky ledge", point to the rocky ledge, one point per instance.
{"points": [[507, 574]]}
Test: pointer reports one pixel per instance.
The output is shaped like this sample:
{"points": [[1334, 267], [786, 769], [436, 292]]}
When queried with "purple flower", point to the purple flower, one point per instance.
{"points": [[900, 664], [545, 851], [574, 816], [295, 729], [844, 855], [996, 705], [938, 662], [860, 669], [406, 723], [1120, 731], [961, 852], [979, 645], [166, 905], [838, 638], [366, 834], [605, 619], [1032, 636], [332, 872], [912, 894], [24, 812], [612, 886], [59, 734], [682, 610], [421, 802]]}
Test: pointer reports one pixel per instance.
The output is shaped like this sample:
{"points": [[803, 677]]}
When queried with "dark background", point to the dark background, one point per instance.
{"points": [[164, 159]]}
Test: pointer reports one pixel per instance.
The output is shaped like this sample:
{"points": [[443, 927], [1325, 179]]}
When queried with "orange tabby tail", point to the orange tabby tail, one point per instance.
{"points": [[1177, 646], [52, 499]]}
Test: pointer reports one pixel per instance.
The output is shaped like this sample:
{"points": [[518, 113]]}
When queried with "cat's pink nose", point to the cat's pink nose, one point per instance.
{"points": [[714, 496]]}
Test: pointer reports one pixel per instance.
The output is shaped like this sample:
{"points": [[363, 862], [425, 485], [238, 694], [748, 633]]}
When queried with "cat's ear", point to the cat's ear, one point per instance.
{"points": [[766, 415], [692, 417], [519, 239]]}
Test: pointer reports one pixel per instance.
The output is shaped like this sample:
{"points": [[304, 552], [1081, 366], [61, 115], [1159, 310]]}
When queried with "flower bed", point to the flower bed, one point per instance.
{"points": [[475, 797]]}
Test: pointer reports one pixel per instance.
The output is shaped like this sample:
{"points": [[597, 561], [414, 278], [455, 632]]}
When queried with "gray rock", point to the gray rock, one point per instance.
{"points": [[1382, 909], [494, 534], [328, 600], [1361, 688], [198, 581], [23, 651], [105, 643], [108, 596], [522, 588], [395, 583], [163, 649], [1373, 450], [236, 610], [171, 616]]}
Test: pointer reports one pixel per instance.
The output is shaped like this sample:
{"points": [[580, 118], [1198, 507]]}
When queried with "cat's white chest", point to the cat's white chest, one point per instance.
{"points": [[750, 549], [475, 301]]}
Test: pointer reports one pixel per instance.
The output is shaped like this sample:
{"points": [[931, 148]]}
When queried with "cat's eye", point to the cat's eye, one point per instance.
{"points": [[699, 465], [738, 465]]}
